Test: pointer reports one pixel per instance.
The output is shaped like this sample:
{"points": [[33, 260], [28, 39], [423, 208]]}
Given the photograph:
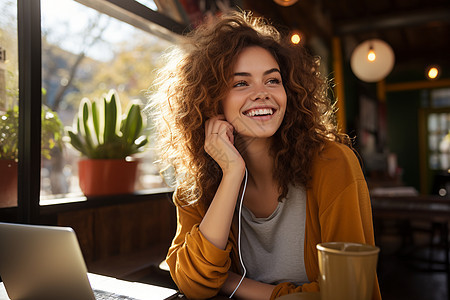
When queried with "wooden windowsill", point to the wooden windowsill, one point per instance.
{"points": [[52, 205]]}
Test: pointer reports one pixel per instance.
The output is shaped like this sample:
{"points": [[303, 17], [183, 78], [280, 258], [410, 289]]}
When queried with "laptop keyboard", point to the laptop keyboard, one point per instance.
{"points": [[104, 295]]}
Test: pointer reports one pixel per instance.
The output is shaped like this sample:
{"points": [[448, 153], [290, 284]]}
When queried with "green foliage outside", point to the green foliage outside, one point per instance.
{"points": [[52, 133]]}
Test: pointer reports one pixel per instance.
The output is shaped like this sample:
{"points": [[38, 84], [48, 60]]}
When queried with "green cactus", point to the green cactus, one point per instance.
{"points": [[100, 132]]}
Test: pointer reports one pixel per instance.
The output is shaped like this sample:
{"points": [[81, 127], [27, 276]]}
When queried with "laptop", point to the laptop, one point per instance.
{"points": [[45, 262]]}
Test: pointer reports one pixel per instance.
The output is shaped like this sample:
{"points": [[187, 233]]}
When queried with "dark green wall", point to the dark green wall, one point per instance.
{"points": [[403, 133], [351, 100]]}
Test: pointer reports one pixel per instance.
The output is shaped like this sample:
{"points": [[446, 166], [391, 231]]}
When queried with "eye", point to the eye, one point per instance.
{"points": [[274, 81], [240, 83]]}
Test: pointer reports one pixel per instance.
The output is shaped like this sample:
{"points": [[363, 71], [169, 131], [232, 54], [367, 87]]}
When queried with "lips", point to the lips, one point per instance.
{"points": [[259, 112]]}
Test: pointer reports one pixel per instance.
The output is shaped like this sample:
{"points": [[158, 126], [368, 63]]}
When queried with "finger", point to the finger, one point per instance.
{"points": [[225, 132], [219, 126], [230, 134], [211, 123], [216, 127], [208, 127], [222, 128]]}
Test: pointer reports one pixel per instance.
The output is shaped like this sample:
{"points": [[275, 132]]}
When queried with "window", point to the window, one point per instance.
{"points": [[8, 55], [67, 50], [86, 53], [8, 98]]}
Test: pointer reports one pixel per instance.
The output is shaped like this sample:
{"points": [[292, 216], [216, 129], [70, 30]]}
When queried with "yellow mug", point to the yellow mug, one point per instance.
{"points": [[347, 270]]}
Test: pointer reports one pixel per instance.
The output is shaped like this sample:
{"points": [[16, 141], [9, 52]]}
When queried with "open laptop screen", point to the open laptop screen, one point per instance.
{"points": [[45, 262]]}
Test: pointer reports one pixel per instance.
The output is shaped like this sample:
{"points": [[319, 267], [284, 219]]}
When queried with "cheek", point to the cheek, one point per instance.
{"points": [[283, 107], [230, 107], [283, 100], [227, 111], [231, 113], [284, 96]]}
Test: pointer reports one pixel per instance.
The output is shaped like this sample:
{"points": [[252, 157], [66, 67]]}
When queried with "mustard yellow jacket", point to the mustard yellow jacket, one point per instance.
{"points": [[338, 209]]}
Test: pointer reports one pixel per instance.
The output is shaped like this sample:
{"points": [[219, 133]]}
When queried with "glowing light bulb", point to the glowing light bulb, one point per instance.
{"points": [[295, 38], [371, 55], [433, 72], [285, 2]]}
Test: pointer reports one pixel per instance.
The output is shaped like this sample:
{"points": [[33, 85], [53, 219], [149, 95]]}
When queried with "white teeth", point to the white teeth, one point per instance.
{"points": [[259, 112]]}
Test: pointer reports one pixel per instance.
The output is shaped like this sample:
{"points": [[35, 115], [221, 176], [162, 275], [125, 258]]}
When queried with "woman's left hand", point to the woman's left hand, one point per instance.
{"points": [[219, 144]]}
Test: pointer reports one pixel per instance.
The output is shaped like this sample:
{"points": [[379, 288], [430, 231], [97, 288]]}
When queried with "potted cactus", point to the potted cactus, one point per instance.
{"points": [[107, 140], [52, 136]]}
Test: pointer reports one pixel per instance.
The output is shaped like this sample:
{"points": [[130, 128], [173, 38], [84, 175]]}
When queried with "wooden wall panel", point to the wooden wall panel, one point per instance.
{"points": [[122, 228], [82, 222]]}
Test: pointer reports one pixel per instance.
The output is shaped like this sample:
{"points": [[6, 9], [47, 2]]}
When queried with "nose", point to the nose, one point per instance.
{"points": [[260, 95]]}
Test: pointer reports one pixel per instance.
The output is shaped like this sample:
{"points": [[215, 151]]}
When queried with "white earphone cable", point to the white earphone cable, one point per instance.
{"points": [[239, 235]]}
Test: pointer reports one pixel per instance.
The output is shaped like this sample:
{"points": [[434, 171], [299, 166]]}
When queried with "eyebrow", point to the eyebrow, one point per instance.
{"points": [[265, 73]]}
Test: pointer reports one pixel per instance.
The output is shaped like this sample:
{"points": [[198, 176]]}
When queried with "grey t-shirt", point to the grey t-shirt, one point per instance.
{"points": [[272, 247]]}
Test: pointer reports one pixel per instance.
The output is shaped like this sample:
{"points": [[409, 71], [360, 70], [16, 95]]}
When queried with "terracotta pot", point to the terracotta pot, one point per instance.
{"points": [[107, 176], [8, 183]]}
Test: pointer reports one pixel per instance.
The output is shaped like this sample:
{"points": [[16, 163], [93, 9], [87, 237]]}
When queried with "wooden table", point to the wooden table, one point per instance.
{"points": [[430, 208]]}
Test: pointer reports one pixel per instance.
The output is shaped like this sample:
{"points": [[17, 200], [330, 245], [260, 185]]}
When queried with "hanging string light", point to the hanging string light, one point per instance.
{"points": [[296, 38], [433, 72]]}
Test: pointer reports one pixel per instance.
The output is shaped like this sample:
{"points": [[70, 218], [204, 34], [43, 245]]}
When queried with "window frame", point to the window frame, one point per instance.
{"points": [[29, 209]]}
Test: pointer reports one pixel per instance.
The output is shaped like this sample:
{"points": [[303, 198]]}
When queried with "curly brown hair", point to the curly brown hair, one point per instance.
{"points": [[197, 78]]}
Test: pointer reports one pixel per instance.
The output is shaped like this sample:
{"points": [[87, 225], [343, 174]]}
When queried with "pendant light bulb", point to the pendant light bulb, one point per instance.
{"points": [[374, 68], [371, 55]]}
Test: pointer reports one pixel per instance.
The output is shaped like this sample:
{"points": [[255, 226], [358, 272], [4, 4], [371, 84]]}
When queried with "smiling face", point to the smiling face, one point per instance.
{"points": [[256, 102]]}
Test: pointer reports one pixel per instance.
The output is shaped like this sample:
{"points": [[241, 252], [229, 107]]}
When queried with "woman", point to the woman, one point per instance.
{"points": [[245, 117]]}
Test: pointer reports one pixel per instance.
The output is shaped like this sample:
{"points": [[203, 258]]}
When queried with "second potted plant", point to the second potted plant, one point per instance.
{"points": [[52, 133], [106, 141]]}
